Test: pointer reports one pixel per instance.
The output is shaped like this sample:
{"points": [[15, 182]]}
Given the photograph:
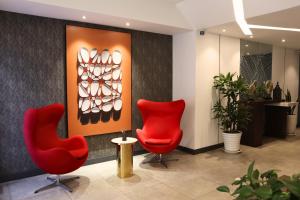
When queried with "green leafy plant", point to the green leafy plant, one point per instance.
{"points": [[232, 114], [288, 96], [264, 186]]}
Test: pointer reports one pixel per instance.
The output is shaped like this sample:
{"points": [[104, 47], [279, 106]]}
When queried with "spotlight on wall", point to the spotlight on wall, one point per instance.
{"points": [[224, 30], [127, 24], [251, 36], [283, 40], [83, 17], [248, 54], [246, 45]]}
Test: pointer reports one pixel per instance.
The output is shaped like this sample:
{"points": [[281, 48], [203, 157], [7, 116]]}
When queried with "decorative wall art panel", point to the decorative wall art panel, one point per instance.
{"points": [[98, 81]]}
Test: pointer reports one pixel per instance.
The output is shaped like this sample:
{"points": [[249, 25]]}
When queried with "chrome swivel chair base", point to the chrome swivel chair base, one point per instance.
{"points": [[58, 182], [158, 158]]}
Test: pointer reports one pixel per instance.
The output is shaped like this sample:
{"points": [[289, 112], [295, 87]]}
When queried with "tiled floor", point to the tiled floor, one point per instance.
{"points": [[192, 177]]}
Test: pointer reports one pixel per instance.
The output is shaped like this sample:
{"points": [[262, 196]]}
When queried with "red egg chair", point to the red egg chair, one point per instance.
{"points": [[49, 152], [161, 132]]}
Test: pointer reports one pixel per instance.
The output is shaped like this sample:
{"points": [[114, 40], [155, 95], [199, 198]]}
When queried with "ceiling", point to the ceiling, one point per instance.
{"points": [[167, 16], [285, 18]]}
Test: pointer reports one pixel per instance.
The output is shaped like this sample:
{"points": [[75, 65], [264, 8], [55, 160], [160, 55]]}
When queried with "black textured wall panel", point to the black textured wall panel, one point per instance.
{"points": [[32, 74]]}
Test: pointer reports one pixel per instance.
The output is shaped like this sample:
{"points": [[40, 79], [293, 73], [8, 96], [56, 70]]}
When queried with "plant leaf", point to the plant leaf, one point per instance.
{"points": [[264, 192], [292, 186], [223, 188], [250, 170], [244, 192]]}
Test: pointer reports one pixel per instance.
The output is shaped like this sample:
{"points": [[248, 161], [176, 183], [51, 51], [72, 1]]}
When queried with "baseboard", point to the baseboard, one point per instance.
{"points": [[200, 150], [36, 172], [21, 175]]}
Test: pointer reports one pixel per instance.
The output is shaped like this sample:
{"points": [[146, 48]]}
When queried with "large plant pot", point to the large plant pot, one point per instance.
{"points": [[232, 142], [291, 124]]}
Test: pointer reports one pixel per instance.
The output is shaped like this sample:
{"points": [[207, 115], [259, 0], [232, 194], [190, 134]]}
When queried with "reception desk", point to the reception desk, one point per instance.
{"points": [[268, 118], [276, 118]]}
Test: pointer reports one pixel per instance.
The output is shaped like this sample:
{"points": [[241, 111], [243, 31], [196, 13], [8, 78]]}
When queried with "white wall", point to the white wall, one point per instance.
{"points": [[184, 62], [207, 67], [196, 59], [285, 70]]}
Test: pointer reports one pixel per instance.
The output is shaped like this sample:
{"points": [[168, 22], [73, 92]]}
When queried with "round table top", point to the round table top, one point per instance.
{"points": [[129, 140]]}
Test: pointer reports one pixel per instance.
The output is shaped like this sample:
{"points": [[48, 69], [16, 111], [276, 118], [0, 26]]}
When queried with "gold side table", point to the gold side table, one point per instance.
{"points": [[124, 156]]}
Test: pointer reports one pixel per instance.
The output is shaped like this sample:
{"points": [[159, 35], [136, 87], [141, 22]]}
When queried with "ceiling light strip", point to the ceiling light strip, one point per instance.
{"points": [[239, 15], [273, 28]]}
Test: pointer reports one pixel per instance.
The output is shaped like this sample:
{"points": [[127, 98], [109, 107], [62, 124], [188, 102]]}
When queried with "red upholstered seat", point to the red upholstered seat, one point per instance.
{"points": [[161, 132], [49, 152], [158, 141]]}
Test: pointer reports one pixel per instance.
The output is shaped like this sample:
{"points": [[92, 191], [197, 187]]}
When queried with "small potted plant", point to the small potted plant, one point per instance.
{"points": [[264, 186], [232, 114], [291, 120]]}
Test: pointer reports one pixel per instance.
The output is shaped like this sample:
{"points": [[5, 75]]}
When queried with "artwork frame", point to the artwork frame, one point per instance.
{"points": [[99, 107]]}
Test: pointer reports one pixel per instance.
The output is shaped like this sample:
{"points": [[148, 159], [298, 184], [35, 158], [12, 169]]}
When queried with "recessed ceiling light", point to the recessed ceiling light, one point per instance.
{"points": [[283, 40], [83, 17], [246, 45], [239, 15], [224, 30], [127, 24]]}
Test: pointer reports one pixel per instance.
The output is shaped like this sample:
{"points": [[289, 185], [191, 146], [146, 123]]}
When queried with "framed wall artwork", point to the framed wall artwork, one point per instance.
{"points": [[98, 81]]}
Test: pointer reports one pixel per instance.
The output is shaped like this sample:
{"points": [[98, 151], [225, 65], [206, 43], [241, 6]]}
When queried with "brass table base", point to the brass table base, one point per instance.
{"points": [[124, 156]]}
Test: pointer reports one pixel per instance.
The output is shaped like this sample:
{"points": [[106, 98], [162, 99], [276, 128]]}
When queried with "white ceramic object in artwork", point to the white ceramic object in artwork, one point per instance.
{"points": [[98, 101], [89, 89], [79, 57], [120, 88], [80, 102], [118, 104], [106, 90], [107, 107], [85, 105], [102, 69], [84, 76], [104, 56], [106, 99], [97, 70], [94, 88], [85, 55], [80, 70], [99, 59], [117, 57], [116, 73], [108, 82], [82, 91], [107, 76], [107, 68], [93, 53], [115, 85], [85, 84], [95, 110], [92, 68], [95, 59]]}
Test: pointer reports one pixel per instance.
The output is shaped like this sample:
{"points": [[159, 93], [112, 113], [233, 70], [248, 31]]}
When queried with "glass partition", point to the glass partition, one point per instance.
{"points": [[256, 61]]}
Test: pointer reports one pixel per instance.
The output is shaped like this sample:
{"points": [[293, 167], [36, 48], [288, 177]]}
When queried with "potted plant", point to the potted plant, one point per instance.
{"points": [[291, 120], [232, 115], [264, 186]]}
